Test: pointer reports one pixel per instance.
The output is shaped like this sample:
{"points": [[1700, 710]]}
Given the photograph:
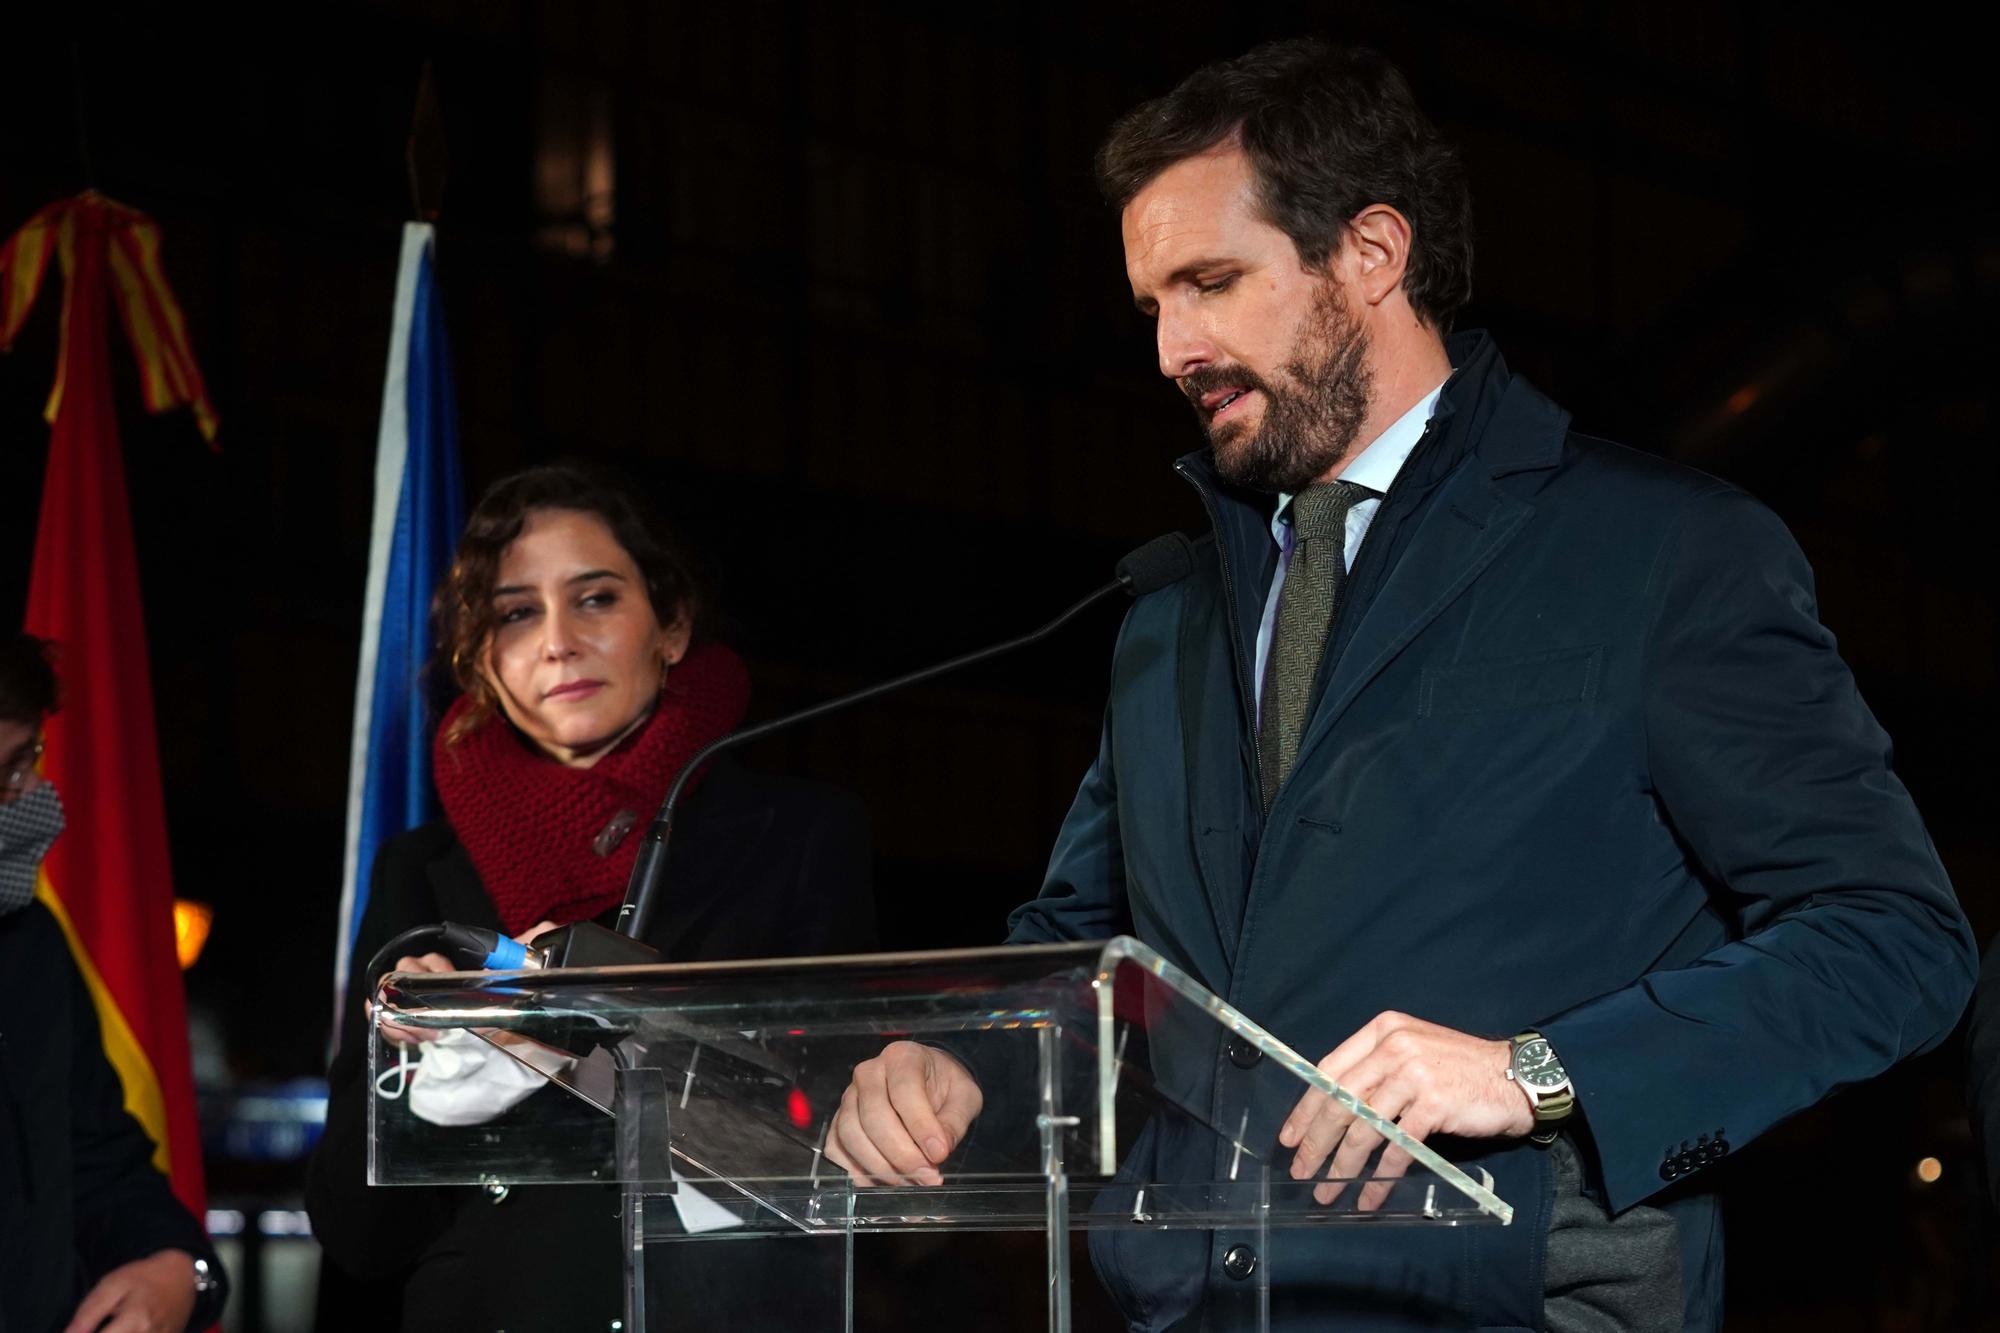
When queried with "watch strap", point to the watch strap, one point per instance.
{"points": [[1549, 1107]]}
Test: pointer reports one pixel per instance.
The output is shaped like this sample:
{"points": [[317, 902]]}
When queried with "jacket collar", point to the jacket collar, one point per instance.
{"points": [[1489, 425], [1480, 395]]}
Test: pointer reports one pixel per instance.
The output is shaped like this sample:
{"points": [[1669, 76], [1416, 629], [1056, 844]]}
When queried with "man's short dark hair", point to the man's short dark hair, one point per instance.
{"points": [[1328, 130], [28, 688]]}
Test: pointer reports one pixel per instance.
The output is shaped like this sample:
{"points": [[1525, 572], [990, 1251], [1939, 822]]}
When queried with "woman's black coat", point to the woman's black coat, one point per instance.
{"points": [[760, 866]]}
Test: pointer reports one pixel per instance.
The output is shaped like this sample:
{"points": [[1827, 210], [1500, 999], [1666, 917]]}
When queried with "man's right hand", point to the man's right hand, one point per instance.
{"points": [[902, 1115]]}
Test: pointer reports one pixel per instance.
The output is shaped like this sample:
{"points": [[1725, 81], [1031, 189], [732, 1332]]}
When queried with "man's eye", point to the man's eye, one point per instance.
{"points": [[1214, 285]]}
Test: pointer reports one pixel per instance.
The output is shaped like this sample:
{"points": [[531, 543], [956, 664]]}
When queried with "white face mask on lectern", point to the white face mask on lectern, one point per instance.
{"points": [[464, 1080]]}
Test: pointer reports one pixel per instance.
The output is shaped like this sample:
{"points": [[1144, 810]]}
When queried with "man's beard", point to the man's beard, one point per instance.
{"points": [[1311, 419]]}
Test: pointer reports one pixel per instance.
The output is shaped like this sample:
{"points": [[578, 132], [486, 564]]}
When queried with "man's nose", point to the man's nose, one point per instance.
{"points": [[1183, 345]]}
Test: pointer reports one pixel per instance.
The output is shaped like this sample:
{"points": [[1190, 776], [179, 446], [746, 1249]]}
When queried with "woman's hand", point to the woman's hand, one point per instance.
{"points": [[539, 928], [435, 962], [396, 1032]]}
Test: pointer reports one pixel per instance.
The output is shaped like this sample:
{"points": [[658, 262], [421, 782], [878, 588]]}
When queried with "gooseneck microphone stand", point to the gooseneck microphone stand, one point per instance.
{"points": [[1164, 560]]}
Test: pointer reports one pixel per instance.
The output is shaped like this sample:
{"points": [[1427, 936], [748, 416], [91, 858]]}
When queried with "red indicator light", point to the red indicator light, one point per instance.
{"points": [[798, 1109]]}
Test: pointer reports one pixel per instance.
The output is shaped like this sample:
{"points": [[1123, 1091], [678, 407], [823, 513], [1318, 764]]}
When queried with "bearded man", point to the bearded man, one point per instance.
{"points": [[1510, 769]]}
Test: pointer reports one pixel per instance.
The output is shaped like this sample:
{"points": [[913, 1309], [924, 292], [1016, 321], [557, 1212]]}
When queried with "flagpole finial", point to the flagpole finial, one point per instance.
{"points": [[82, 115], [424, 152]]}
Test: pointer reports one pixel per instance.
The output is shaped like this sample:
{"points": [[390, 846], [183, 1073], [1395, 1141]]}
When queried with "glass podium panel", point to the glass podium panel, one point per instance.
{"points": [[1118, 1093]]}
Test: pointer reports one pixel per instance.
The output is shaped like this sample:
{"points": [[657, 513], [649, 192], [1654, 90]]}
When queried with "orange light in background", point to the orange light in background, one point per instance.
{"points": [[1740, 401], [191, 923], [1929, 1170]]}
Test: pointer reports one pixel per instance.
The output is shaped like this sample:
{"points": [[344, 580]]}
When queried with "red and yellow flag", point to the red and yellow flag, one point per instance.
{"points": [[106, 879]]}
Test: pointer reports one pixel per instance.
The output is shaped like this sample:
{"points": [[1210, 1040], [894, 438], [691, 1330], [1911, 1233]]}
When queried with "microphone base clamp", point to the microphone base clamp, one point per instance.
{"points": [[587, 944]]}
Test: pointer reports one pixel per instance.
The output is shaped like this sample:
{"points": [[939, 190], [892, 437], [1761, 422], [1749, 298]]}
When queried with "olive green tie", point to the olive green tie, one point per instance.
{"points": [[1307, 604]]}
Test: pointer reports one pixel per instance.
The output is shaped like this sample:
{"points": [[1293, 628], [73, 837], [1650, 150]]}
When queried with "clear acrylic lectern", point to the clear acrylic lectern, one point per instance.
{"points": [[1119, 1093]]}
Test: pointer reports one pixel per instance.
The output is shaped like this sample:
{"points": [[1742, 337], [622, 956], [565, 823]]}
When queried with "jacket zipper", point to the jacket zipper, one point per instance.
{"points": [[1247, 697]]}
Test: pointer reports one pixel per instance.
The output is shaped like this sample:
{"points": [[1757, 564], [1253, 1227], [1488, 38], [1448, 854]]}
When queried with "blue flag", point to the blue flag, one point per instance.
{"points": [[419, 511]]}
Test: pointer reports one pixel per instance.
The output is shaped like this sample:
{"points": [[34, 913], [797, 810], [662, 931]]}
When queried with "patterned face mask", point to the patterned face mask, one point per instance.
{"points": [[27, 826]]}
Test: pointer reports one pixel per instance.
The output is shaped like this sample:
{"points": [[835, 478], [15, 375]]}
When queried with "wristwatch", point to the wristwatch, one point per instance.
{"points": [[211, 1292], [1540, 1075]]}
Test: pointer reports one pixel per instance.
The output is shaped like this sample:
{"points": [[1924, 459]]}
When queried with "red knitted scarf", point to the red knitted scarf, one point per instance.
{"points": [[555, 843]]}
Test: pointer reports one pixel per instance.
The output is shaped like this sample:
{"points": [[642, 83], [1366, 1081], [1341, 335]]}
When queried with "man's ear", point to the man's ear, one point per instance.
{"points": [[1376, 253]]}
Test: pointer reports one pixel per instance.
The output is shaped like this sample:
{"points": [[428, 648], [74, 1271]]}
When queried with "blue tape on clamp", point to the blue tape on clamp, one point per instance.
{"points": [[507, 955]]}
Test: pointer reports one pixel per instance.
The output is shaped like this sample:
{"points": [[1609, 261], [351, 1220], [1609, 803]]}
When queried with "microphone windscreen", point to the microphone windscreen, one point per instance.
{"points": [[1165, 560]]}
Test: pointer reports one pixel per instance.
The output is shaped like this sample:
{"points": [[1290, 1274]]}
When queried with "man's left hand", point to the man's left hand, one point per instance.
{"points": [[1429, 1079], [150, 1295]]}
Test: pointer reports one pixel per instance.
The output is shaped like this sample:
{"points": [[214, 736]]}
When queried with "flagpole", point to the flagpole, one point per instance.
{"points": [[391, 455], [417, 511]]}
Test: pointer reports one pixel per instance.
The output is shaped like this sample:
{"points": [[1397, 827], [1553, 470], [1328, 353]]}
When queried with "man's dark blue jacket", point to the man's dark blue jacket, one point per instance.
{"points": [[79, 1194], [1581, 759]]}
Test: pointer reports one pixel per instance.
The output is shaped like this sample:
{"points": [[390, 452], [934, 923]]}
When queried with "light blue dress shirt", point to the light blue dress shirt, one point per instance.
{"points": [[1374, 467]]}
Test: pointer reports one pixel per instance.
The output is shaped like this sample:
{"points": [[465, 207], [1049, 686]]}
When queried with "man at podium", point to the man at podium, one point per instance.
{"points": [[1509, 770]]}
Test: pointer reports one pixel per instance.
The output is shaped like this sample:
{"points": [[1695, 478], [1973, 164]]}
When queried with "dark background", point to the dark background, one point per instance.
{"points": [[831, 284]]}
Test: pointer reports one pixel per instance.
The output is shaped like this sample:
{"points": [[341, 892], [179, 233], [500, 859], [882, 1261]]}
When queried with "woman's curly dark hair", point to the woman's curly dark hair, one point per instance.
{"points": [[462, 613], [1328, 130]]}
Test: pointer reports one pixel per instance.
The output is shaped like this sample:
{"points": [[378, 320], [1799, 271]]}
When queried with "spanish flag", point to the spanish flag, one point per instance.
{"points": [[106, 879]]}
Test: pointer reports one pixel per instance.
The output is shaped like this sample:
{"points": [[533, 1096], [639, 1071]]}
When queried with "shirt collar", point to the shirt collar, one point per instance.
{"points": [[1376, 466]]}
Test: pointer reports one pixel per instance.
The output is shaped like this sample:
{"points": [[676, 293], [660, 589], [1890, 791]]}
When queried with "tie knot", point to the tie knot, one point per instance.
{"points": [[1321, 511]]}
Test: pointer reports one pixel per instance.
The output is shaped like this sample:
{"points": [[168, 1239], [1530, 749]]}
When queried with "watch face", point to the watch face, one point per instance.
{"points": [[1536, 1066]]}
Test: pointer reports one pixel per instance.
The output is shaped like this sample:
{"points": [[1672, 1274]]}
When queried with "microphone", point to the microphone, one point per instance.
{"points": [[1160, 563]]}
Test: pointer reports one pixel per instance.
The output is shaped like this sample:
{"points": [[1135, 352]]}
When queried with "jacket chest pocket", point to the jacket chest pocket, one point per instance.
{"points": [[1539, 680]]}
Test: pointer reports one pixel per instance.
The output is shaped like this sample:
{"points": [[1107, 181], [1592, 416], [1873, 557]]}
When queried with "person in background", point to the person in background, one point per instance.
{"points": [[574, 635], [91, 1235]]}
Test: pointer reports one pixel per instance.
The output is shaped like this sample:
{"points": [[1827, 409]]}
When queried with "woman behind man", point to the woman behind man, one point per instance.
{"points": [[574, 637]]}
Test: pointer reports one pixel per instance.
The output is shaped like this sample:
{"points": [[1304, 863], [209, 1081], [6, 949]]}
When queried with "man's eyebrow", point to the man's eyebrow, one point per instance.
{"points": [[511, 589], [1186, 273]]}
